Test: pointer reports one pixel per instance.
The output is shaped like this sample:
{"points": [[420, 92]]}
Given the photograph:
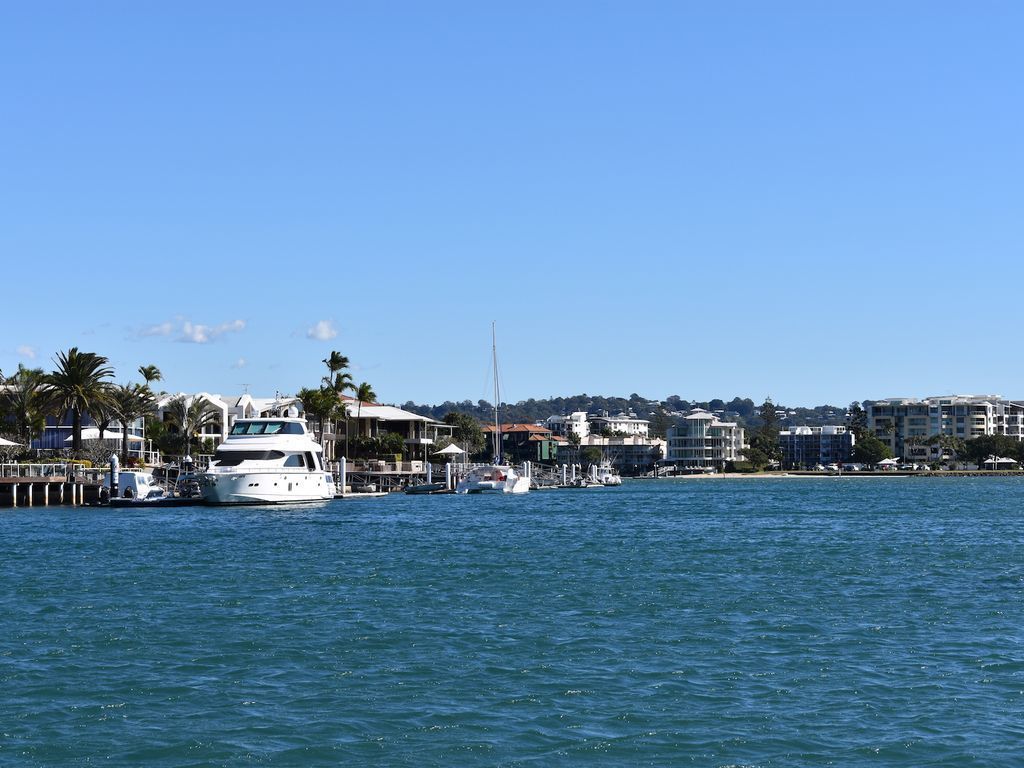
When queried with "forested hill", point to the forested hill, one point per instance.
{"points": [[670, 409]]}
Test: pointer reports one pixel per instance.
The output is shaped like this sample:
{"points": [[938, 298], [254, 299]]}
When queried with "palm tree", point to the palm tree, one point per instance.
{"points": [[131, 402], [102, 411], [190, 418], [318, 403], [150, 373], [77, 385], [364, 394], [24, 403], [336, 378], [335, 363]]}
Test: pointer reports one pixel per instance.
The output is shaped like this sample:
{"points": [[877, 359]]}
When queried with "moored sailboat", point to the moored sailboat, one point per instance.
{"points": [[498, 477]]}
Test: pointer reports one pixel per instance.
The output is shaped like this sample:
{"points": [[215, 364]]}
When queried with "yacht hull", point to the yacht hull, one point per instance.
{"points": [[266, 488]]}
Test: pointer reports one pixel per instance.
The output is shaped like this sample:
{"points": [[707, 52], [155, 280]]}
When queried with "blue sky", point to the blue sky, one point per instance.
{"points": [[817, 202]]}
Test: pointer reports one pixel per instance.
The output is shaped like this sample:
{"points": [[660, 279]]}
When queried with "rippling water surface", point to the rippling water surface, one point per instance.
{"points": [[760, 622]]}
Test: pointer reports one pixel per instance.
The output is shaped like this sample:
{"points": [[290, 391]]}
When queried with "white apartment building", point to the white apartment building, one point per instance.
{"points": [[574, 424], [704, 441], [903, 423], [623, 424]]}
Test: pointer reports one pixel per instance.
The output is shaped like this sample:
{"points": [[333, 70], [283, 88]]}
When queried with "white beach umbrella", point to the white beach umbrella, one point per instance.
{"points": [[7, 442], [449, 450]]}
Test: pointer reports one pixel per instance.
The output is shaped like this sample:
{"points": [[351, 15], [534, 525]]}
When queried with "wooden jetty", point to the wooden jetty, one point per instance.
{"points": [[46, 491]]}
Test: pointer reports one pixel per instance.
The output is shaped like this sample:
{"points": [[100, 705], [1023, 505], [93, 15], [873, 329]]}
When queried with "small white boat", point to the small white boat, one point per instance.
{"points": [[267, 461], [605, 474], [134, 484]]}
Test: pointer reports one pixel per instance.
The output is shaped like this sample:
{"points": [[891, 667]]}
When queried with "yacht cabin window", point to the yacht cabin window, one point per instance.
{"points": [[266, 428], [234, 458]]}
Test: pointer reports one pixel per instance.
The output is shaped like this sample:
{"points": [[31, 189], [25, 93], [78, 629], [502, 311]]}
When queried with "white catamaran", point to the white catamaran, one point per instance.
{"points": [[497, 477]]}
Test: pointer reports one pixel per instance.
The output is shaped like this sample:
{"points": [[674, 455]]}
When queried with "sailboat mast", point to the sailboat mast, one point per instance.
{"points": [[497, 425]]}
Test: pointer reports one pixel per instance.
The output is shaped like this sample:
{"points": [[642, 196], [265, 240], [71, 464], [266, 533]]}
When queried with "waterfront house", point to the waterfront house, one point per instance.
{"points": [[525, 442], [228, 410], [374, 420], [701, 441]]}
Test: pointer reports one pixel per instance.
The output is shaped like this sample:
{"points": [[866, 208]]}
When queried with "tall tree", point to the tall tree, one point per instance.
{"points": [[857, 419], [467, 431], [337, 378], [870, 450], [23, 402], [77, 384], [364, 394], [191, 417], [318, 403], [102, 413], [981, 449], [131, 402], [764, 443], [150, 373]]}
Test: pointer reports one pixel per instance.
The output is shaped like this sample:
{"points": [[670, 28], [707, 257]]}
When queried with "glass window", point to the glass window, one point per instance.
{"points": [[295, 460], [234, 458]]}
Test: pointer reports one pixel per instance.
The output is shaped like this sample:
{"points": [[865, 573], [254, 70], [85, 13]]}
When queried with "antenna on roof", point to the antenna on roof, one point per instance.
{"points": [[246, 388]]}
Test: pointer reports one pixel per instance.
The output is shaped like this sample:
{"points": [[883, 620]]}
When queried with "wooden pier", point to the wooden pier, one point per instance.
{"points": [[46, 491]]}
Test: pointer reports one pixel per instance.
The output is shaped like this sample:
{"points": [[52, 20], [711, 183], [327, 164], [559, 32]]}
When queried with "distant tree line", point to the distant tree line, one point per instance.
{"points": [[661, 413]]}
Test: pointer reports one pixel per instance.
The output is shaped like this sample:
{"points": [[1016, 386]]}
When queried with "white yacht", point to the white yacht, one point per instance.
{"points": [[267, 461]]}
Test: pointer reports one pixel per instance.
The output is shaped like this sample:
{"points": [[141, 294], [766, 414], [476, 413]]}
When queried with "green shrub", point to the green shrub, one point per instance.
{"points": [[740, 466]]}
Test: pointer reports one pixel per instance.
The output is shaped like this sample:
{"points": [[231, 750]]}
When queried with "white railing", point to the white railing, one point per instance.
{"points": [[57, 470]]}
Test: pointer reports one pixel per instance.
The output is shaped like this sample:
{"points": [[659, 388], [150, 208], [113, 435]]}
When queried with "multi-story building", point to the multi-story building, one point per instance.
{"points": [[620, 424], [703, 441], [574, 424], [807, 447], [904, 424], [629, 454]]}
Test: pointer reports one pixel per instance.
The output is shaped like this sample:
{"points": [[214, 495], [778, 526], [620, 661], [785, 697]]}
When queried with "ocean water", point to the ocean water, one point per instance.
{"points": [[755, 622]]}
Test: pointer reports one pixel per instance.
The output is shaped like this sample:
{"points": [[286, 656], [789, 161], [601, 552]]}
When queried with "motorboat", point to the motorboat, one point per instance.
{"points": [[493, 478], [137, 485], [267, 461], [605, 474]]}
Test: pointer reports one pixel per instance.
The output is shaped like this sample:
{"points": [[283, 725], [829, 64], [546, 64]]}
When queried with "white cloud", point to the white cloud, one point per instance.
{"points": [[197, 333], [26, 351], [160, 329], [239, 363], [194, 333], [324, 330]]}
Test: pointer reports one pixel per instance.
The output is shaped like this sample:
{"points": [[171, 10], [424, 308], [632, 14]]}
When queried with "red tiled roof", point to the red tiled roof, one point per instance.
{"points": [[535, 429]]}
